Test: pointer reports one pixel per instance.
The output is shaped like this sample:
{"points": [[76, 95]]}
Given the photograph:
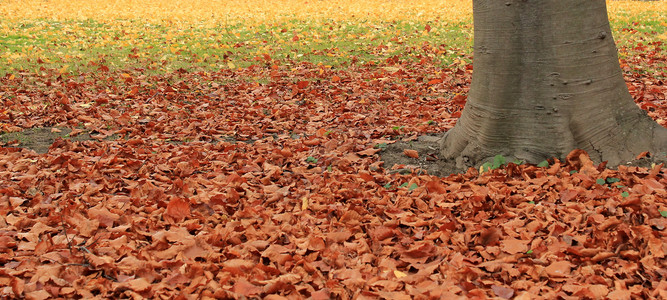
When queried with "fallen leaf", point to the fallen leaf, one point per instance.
{"points": [[411, 153], [558, 269], [514, 246], [502, 292], [245, 288], [177, 209]]}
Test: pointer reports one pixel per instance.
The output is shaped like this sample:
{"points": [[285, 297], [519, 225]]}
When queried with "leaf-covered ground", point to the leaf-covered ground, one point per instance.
{"points": [[258, 174]]}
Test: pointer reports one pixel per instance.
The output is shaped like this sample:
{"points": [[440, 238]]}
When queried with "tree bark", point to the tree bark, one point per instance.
{"points": [[546, 80]]}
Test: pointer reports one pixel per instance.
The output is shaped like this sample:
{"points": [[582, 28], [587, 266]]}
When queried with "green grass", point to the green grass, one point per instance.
{"points": [[85, 46]]}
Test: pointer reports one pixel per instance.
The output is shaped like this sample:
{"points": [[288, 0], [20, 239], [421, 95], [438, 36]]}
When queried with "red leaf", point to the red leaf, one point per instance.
{"points": [[642, 155], [366, 177], [435, 187], [302, 84], [313, 142], [435, 81], [178, 209]]}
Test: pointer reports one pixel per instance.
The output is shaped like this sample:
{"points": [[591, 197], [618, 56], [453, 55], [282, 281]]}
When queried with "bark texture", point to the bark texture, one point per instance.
{"points": [[546, 80]]}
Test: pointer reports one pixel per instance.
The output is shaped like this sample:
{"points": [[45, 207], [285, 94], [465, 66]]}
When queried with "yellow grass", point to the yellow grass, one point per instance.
{"points": [[231, 11], [219, 12]]}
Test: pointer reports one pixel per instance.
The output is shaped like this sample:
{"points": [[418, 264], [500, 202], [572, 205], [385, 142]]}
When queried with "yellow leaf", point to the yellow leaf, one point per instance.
{"points": [[391, 69], [304, 203], [231, 65], [64, 69], [399, 274]]}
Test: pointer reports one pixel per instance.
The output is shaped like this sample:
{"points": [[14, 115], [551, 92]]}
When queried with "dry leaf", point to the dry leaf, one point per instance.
{"points": [[411, 153], [399, 274], [558, 269], [502, 292], [514, 246], [177, 209]]}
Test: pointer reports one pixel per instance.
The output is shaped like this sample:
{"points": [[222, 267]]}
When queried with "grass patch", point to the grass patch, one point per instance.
{"points": [[84, 46], [161, 44]]}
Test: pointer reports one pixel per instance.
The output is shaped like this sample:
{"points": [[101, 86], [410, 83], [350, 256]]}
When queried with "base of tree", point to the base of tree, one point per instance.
{"points": [[428, 162]]}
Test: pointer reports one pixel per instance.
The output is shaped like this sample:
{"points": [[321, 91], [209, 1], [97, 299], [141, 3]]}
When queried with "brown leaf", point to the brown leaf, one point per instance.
{"points": [[322, 294], [245, 288], [184, 168], [411, 153], [523, 296], [489, 236], [422, 249], [177, 209], [316, 243], [568, 194], [502, 292], [138, 285], [18, 286], [435, 186], [366, 177], [369, 151], [580, 160], [558, 269], [103, 215], [100, 261], [38, 295], [338, 237], [382, 232], [238, 266], [619, 294], [514, 246], [642, 155], [602, 256], [598, 291]]}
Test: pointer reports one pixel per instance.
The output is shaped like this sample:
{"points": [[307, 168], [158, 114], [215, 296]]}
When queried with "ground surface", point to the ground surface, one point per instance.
{"points": [[233, 159]]}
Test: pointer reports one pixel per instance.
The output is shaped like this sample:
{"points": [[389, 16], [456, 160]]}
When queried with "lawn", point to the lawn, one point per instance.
{"points": [[230, 149]]}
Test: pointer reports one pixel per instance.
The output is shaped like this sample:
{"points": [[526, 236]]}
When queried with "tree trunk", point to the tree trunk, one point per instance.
{"points": [[546, 81]]}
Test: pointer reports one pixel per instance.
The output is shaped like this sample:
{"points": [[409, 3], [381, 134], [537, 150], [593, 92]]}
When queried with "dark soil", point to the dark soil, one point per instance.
{"points": [[40, 139], [427, 147], [428, 162]]}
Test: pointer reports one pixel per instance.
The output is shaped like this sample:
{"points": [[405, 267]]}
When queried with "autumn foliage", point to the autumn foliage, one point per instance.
{"points": [[266, 181]]}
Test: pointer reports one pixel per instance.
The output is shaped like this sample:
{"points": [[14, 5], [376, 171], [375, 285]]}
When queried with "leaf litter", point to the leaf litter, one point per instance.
{"points": [[305, 208], [211, 185]]}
